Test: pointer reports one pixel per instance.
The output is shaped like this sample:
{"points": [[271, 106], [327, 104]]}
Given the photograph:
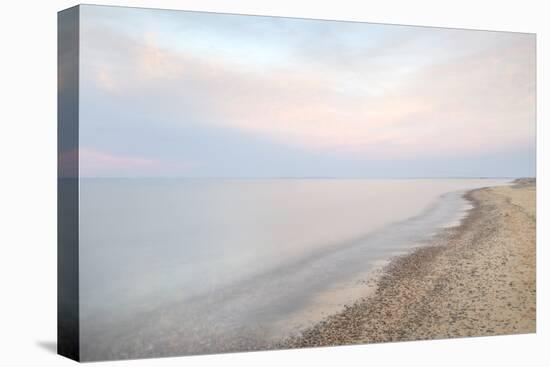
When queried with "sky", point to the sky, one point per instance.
{"points": [[190, 94]]}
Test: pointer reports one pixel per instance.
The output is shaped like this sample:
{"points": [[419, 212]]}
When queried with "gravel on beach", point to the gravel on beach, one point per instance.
{"points": [[476, 279]]}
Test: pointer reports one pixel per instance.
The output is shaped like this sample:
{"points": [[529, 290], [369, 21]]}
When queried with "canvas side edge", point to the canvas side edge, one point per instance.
{"points": [[68, 323]]}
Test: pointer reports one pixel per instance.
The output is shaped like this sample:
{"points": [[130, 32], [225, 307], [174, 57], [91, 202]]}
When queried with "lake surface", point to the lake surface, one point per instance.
{"points": [[183, 266]]}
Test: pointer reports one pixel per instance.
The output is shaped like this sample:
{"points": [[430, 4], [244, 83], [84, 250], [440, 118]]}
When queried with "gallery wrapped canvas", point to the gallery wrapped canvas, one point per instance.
{"points": [[231, 183]]}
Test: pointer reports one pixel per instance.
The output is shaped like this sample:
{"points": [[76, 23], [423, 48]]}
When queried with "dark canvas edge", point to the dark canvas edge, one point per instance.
{"points": [[68, 325]]}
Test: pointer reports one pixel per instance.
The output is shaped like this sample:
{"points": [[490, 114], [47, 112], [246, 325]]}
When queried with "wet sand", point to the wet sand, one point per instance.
{"points": [[476, 279]]}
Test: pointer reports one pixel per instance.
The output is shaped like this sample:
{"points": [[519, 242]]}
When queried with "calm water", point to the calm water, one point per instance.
{"points": [[174, 266]]}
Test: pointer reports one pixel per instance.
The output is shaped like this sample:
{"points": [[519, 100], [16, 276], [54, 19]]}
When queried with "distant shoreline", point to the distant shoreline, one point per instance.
{"points": [[476, 279]]}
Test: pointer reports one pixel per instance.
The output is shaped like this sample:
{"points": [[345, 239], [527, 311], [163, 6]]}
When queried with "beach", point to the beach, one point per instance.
{"points": [[475, 279], [302, 263]]}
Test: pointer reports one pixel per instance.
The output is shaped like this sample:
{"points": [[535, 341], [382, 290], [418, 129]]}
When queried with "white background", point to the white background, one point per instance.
{"points": [[28, 181]]}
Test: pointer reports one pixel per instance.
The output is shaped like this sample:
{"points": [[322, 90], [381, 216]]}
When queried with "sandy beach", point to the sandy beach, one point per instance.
{"points": [[476, 279]]}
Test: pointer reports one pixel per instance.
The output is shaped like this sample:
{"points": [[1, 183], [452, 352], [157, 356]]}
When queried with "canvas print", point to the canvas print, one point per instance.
{"points": [[234, 183]]}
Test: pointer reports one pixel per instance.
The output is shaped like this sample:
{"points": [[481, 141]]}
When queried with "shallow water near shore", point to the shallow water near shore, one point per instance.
{"points": [[174, 266]]}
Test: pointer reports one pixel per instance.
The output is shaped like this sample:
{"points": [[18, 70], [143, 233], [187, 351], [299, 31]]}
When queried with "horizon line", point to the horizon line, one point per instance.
{"points": [[305, 177]]}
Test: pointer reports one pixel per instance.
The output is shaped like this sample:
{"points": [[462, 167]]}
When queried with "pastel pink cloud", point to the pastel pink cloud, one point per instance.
{"points": [[94, 162]]}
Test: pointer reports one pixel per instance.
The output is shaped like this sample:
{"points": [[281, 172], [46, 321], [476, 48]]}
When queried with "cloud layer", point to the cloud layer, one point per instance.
{"points": [[179, 93]]}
